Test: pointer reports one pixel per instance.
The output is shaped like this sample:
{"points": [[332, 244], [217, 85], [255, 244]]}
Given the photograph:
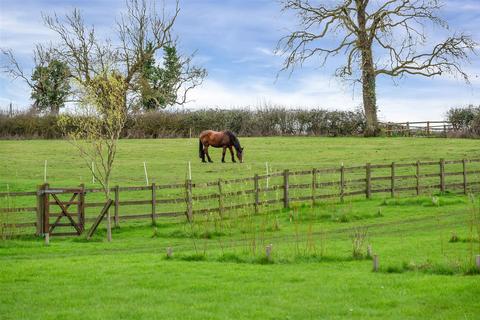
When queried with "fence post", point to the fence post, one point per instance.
{"points": [[442, 175], [464, 163], [392, 180], [477, 261], [188, 187], [368, 180], [417, 174], [314, 185], [220, 198], [255, 184], [286, 202], [445, 130], [117, 206], [408, 129], [154, 202], [342, 182], [46, 210], [428, 128], [40, 210], [81, 208]]}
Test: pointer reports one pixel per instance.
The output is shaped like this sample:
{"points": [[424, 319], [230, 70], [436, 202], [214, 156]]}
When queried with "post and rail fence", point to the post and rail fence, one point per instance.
{"points": [[300, 186], [418, 128]]}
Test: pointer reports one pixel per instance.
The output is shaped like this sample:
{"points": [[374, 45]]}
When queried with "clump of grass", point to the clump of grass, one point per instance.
{"points": [[454, 238], [230, 257], [359, 237], [193, 257], [451, 268]]}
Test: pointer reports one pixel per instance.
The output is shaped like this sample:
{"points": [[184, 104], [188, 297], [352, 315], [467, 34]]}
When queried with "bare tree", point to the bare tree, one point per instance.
{"points": [[105, 73], [377, 38]]}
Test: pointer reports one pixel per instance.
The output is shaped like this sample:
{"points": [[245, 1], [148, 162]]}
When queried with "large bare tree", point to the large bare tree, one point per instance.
{"points": [[378, 38]]}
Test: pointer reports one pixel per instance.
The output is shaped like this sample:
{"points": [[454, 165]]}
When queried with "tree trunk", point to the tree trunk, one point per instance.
{"points": [[368, 73], [369, 96]]}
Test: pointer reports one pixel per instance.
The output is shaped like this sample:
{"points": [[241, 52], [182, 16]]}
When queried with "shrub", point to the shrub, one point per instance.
{"points": [[465, 120]]}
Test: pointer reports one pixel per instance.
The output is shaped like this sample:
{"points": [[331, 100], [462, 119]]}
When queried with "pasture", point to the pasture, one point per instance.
{"points": [[319, 266]]}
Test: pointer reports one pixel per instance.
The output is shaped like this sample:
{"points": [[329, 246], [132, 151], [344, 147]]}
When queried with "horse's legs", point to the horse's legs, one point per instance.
{"points": [[208, 156], [203, 153], [231, 153], [223, 153]]}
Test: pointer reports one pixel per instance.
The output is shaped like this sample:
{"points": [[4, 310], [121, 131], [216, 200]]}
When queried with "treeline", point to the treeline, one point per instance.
{"points": [[186, 123]]}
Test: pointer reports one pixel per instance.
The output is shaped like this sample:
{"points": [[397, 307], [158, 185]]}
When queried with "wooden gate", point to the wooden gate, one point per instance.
{"points": [[71, 214]]}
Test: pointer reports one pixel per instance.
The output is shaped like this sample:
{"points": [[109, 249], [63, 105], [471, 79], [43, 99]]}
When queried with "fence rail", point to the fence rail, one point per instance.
{"points": [[283, 187], [425, 128]]}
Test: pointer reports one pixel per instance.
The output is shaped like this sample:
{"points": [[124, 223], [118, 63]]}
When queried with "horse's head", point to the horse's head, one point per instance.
{"points": [[240, 154]]}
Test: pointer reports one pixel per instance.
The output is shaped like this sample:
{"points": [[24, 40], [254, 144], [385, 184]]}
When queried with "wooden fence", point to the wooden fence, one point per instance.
{"points": [[424, 128], [276, 190]]}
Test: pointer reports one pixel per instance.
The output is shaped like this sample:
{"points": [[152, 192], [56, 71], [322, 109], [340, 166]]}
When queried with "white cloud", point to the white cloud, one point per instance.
{"points": [[307, 92]]}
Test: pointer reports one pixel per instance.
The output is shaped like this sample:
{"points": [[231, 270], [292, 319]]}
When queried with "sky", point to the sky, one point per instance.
{"points": [[235, 41]]}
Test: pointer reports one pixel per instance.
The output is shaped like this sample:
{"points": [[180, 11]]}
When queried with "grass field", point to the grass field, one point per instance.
{"points": [[219, 269]]}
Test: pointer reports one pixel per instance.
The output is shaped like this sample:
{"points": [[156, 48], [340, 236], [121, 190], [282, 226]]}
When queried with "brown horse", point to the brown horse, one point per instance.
{"points": [[224, 139]]}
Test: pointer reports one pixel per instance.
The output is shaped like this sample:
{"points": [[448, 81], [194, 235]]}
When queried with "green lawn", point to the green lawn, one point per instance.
{"points": [[219, 269]]}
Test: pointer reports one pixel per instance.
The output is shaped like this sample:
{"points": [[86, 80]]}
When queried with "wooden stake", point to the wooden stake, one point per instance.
{"points": [[464, 163], [154, 202], [189, 170], [417, 174], [368, 180], [286, 202], [47, 239], [477, 260], [268, 252], [45, 172], [117, 206], [314, 185], [189, 200], [268, 178], [375, 263], [145, 170], [257, 193], [442, 175], [369, 251], [342, 182], [220, 198], [392, 180], [169, 252]]}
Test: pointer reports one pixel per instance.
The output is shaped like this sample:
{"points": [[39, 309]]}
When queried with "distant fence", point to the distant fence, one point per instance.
{"points": [[275, 191], [422, 128]]}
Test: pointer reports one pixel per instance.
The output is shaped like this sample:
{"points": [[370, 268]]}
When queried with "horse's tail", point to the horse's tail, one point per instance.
{"points": [[201, 153]]}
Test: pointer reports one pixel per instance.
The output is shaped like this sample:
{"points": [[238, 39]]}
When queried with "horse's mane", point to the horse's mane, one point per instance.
{"points": [[234, 139]]}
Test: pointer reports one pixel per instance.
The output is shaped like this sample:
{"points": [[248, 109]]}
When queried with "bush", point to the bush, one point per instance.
{"points": [[267, 121], [465, 120]]}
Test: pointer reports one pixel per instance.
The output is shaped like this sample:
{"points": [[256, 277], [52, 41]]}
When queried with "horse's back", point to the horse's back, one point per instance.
{"points": [[214, 138]]}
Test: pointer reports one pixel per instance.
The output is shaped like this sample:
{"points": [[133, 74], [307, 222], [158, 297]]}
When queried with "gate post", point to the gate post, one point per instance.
{"points": [[81, 208], [46, 210], [40, 210]]}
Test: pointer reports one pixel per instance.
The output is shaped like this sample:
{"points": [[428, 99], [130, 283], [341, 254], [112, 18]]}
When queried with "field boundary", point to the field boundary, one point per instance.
{"points": [[323, 184]]}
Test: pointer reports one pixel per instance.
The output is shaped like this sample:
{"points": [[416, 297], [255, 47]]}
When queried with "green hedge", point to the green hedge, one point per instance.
{"points": [[183, 123]]}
